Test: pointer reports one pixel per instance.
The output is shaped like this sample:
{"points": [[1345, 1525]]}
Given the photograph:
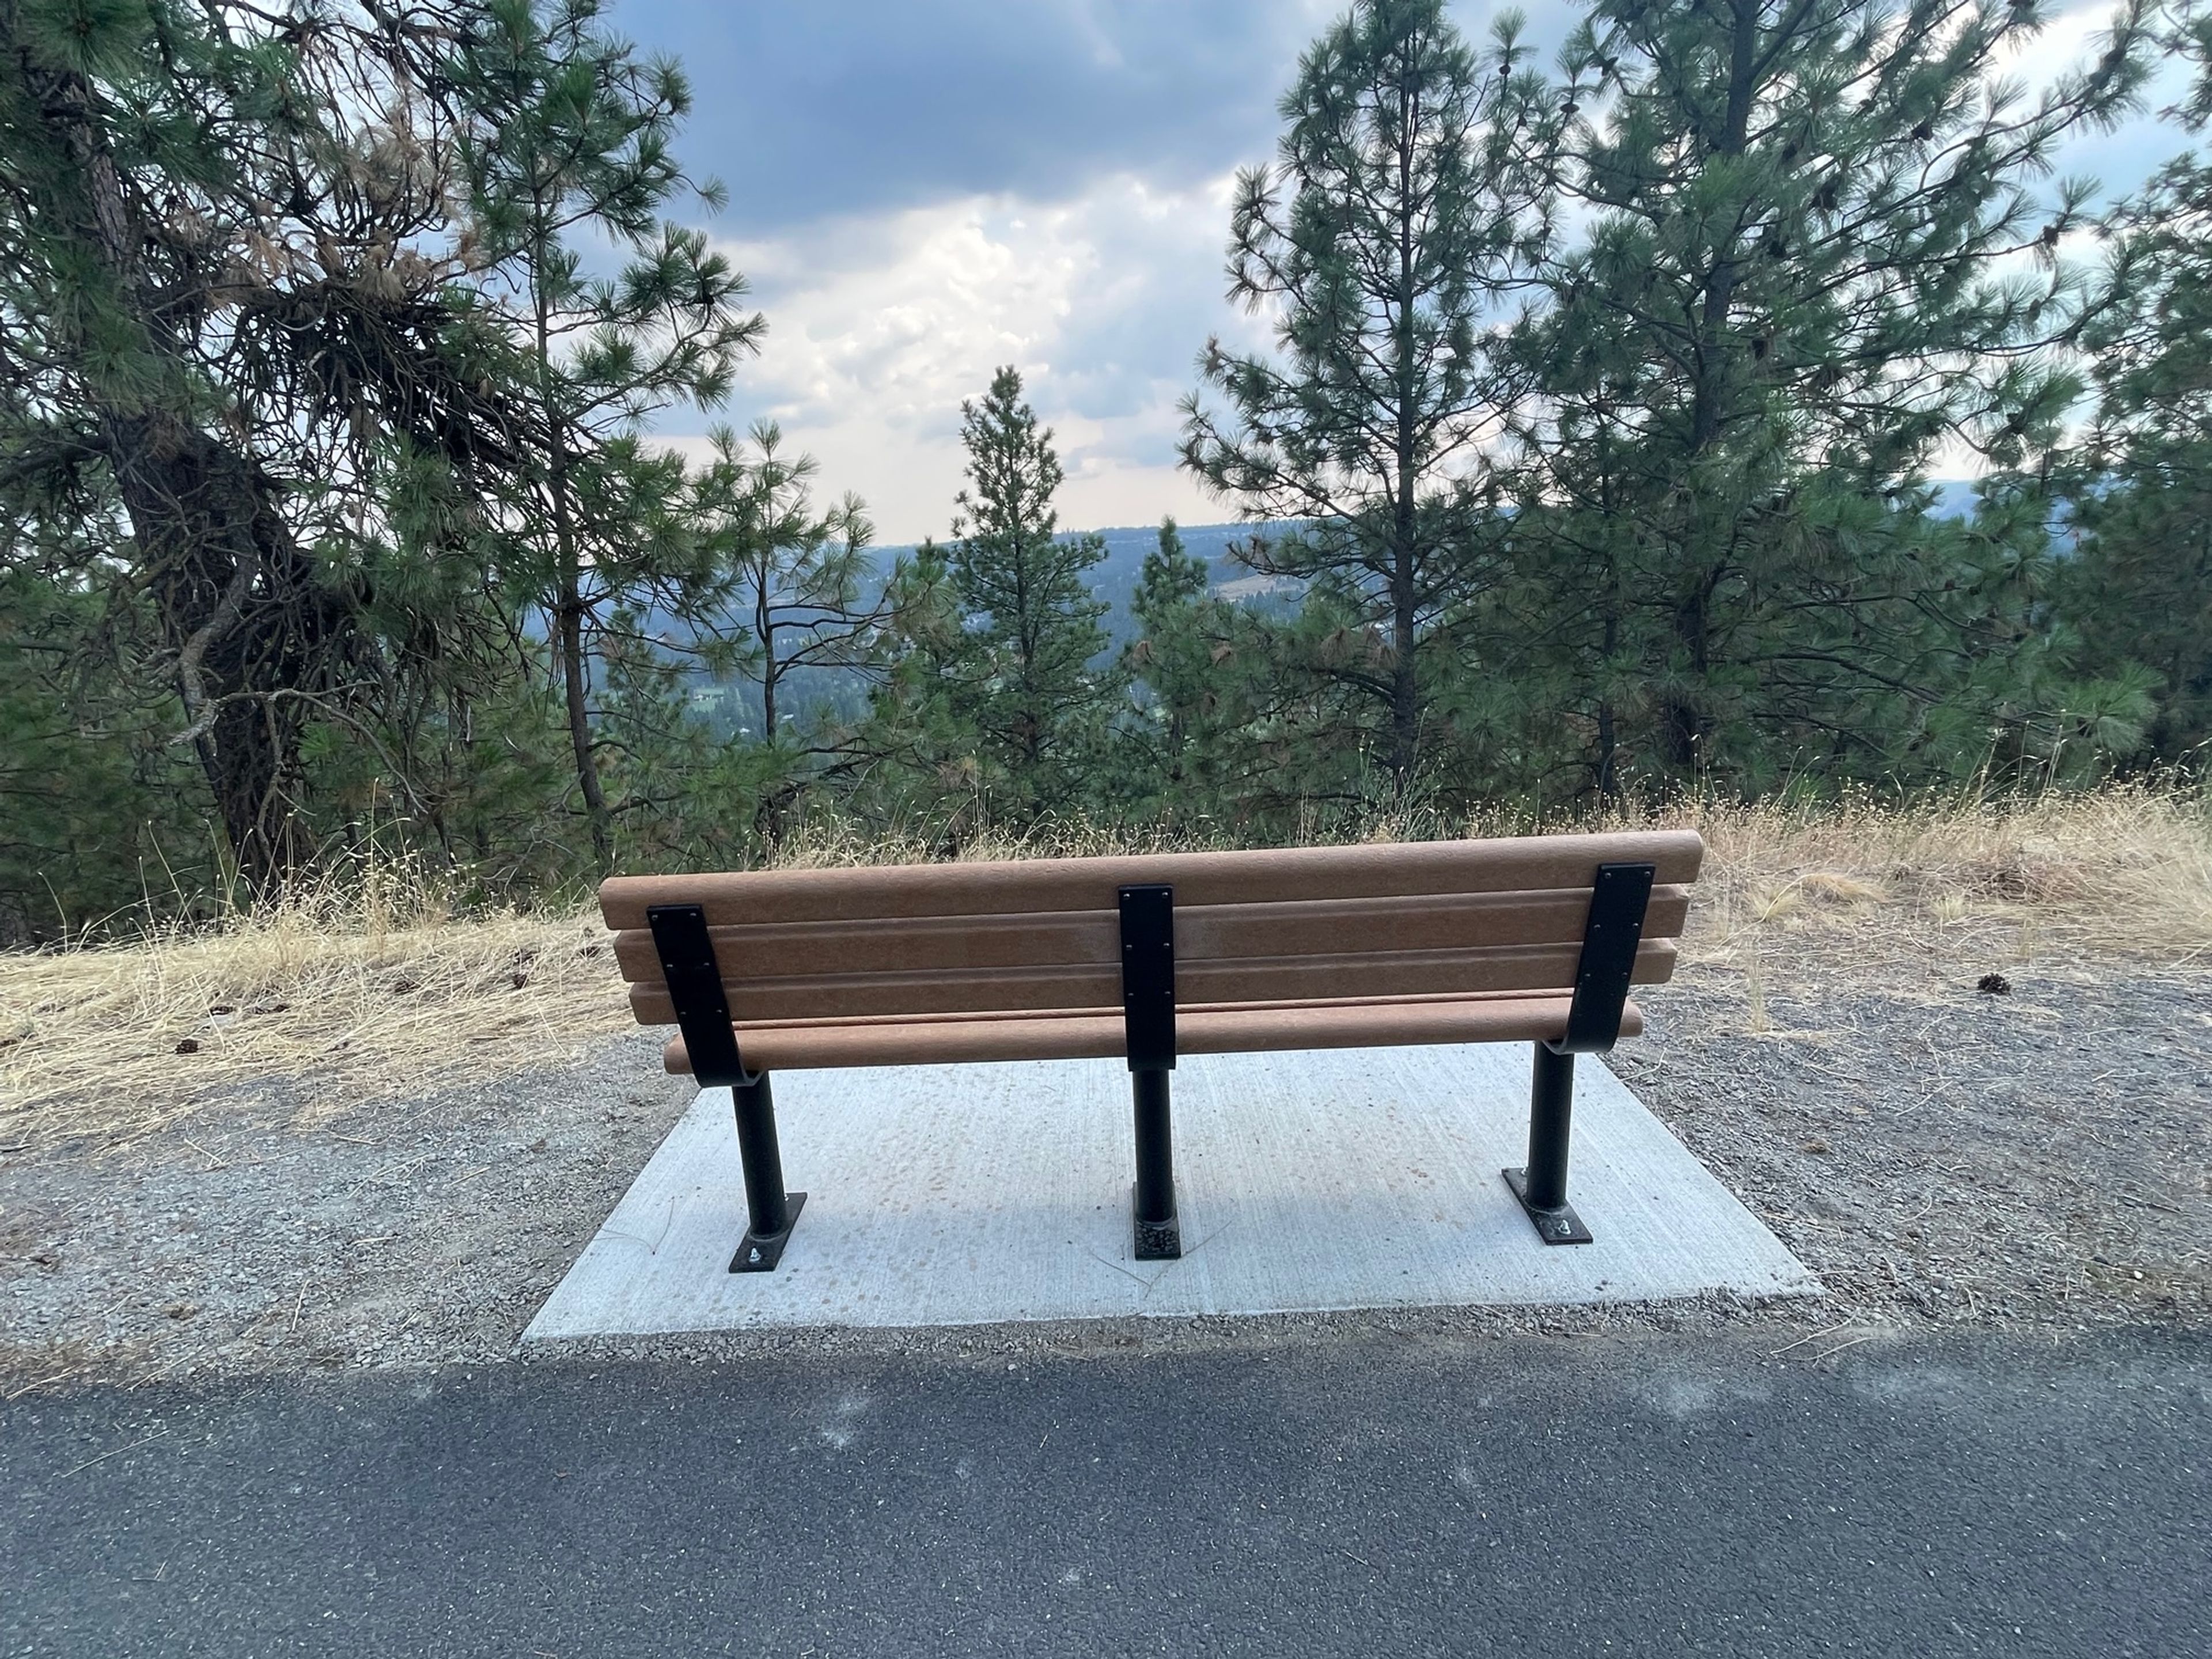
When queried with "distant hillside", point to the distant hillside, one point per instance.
{"points": [[736, 707], [733, 707], [1115, 580]]}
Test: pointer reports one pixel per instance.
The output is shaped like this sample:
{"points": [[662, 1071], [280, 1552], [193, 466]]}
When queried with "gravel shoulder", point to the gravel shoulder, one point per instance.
{"points": [[1940, 1156]]}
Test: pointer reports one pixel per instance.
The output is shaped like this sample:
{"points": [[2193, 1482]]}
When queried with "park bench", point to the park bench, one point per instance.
{"points": [[1145, 957]]}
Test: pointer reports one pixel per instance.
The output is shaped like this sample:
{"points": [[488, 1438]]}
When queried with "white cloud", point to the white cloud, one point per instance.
{"points": [[878, 328], [2061, 44], [1100, 282]]}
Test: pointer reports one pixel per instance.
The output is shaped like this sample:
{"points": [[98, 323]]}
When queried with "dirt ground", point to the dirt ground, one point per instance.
{"points": [[1936, 1152], [1939, 1154]]}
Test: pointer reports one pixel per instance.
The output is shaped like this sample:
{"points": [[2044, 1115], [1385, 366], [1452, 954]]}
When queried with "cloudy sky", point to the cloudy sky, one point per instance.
{"points": [[920, 190]]}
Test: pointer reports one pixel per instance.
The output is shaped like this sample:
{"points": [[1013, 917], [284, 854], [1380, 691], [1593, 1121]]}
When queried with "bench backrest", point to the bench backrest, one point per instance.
{"points": [[1267, 928]]}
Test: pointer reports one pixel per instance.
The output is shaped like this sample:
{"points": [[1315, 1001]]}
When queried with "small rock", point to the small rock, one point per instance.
{"points": [[189, 1046], [1993, 985]]}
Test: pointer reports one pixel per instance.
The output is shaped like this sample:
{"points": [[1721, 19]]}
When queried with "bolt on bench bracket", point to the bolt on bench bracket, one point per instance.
{"points": [[1618, 898], [710, 1038], [1148, 1012]]}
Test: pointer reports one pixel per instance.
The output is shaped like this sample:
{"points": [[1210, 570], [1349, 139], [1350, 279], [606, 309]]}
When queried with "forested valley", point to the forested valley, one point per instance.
{"points": [[1605, 450]]}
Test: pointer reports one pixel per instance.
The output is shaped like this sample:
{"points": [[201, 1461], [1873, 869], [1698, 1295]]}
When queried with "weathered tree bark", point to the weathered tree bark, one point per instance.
{"points": [[252, 632]]}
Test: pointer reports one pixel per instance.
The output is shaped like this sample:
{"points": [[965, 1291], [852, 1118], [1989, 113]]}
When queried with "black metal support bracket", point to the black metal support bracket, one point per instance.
{"points": [[1542, 1184], [695, 986], [1159, 1230], [1148, 1002], [1557, 1226], [1148, 1010], [710, 1038], [770, 1211], [761, 1251], [1620, 895]]}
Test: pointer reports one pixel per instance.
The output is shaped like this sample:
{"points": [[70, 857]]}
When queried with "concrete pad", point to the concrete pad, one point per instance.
{"points": [[1351, 1178]]}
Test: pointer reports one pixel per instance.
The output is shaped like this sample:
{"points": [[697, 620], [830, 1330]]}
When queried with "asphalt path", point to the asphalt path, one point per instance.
{"points": [[1377, 1493]]}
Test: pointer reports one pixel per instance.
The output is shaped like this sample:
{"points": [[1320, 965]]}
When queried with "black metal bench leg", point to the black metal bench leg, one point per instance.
{"points": [[1159, 1236], [772, 1212], [1542, 1185]]}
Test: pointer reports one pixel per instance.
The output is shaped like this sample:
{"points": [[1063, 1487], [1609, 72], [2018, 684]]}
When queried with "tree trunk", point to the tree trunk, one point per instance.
{"points": [[568, 609], [769, 676], [772, 816], [1686, 721], [1405, 681], [575, 688], [1607, 774], [255, 637]]}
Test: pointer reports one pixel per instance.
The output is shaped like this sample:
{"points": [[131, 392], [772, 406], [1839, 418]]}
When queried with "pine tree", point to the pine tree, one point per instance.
{"points": [[803, 595], [1173, 662], [1809, 266], [1167, 659], [1021, 674], [224, 288], [915, 765], [2140, 594], [1397, 226], [571, 144]]}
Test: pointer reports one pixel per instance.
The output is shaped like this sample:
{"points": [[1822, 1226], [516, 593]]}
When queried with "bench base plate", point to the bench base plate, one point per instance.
{"points": [[1559, 1226], [1156, 1241], [761, 1251]]}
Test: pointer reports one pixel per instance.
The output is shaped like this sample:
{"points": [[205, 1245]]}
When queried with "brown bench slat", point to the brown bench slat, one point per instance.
{"points": [[991, 990], [1319, 926], [939, 1043], [1101, 1013], [1398, 870]]}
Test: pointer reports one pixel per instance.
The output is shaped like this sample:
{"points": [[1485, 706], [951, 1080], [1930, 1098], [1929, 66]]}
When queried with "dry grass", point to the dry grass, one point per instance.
{"points": [[374, 989], [2121, 873], [369, 989]]}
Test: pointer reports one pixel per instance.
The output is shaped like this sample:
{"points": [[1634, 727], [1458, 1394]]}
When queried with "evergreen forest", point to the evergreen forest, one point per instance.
{"points": [[1604, 448]]}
